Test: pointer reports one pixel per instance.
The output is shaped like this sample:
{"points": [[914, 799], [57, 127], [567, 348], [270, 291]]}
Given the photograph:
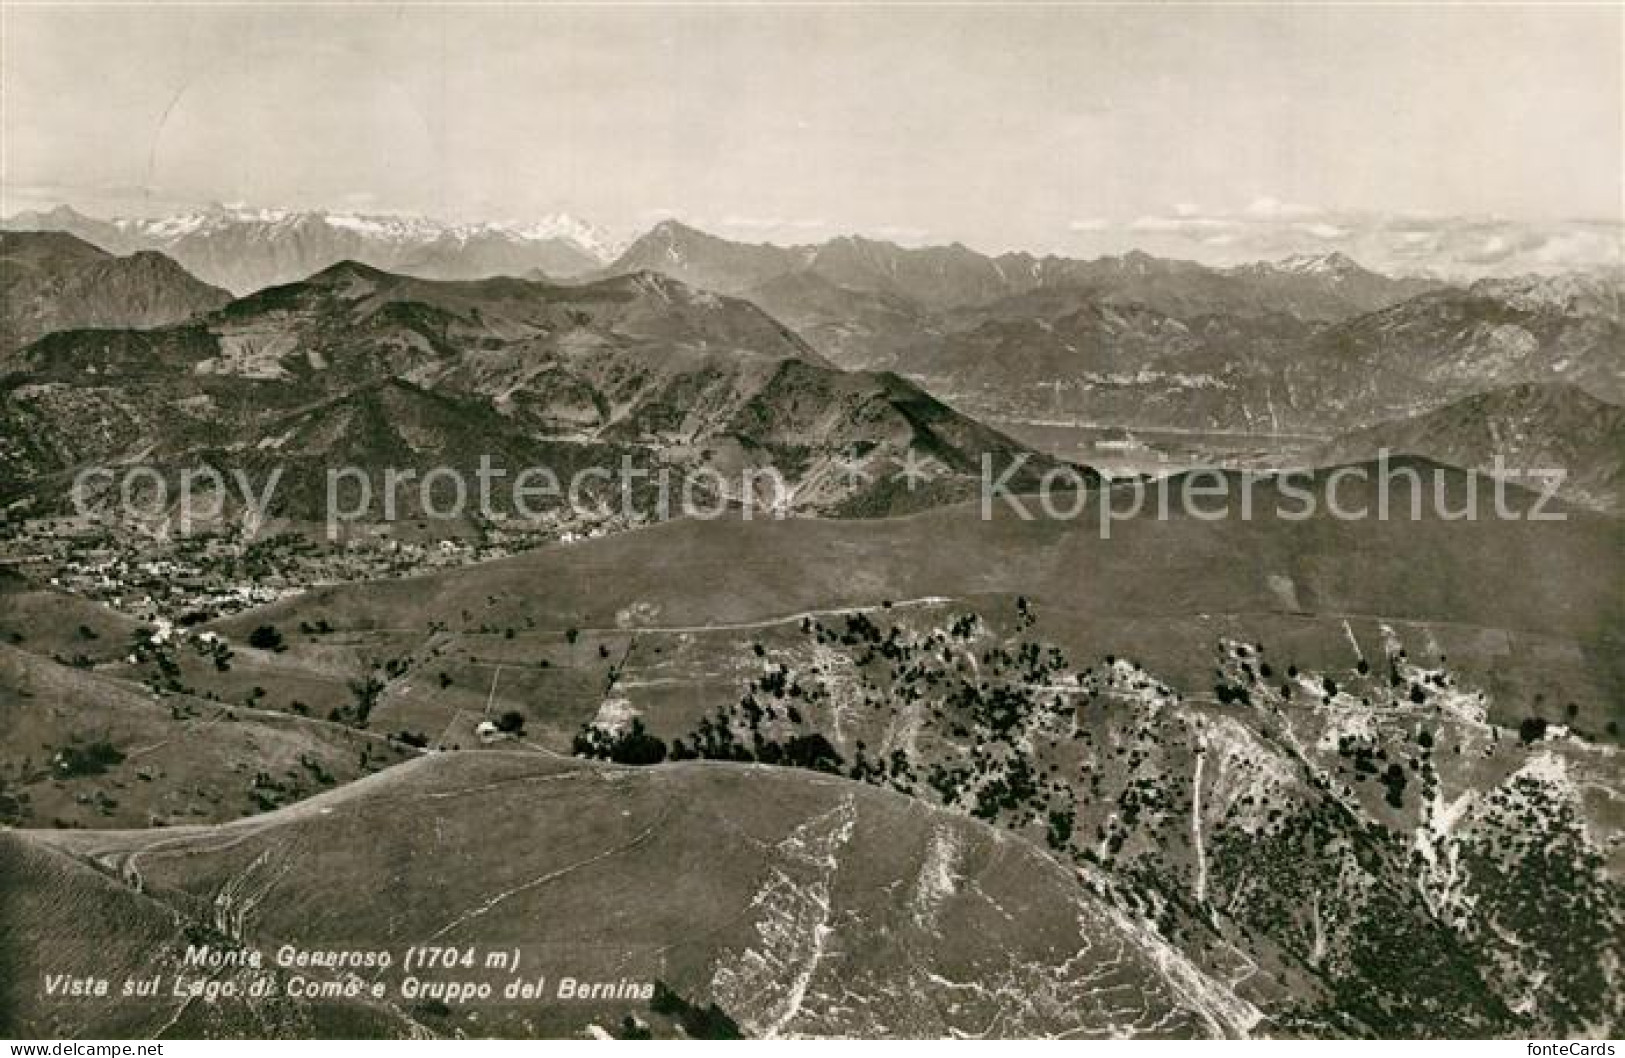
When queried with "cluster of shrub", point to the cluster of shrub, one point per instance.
{"points": [[709, 1022], [88, 758], [985, 695], [634, 745]]}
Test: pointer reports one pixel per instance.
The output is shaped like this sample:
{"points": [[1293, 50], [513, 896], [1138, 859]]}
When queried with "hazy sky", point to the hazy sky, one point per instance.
{"points": [[1002, 127]]}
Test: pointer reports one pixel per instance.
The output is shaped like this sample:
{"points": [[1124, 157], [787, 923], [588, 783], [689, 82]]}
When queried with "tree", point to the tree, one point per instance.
{"points": [[700, 1023], [93, 758], [1394, 780], [1533, 729], [813, 752], [633, 746], [366, 694], [511, 722], [637, 746], [266, 637]]}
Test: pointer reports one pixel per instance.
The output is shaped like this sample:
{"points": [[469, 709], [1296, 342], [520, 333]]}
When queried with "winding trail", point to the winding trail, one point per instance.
{"points": [[1196, 820]]}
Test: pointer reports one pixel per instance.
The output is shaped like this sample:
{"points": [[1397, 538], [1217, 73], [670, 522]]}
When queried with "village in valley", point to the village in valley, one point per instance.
{"points": [[151, 575]]}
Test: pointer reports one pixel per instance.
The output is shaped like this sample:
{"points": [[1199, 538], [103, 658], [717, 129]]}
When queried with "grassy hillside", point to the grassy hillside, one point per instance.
{"points": [[737, 570], [63, 916], [798, 904], [79, 749]]}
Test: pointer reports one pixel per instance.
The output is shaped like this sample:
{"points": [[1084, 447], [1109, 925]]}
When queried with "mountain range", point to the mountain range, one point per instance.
{"points": [[1308, 344], [946, 277], [1121, 340], [1315, 345], [1305, 343], [639, 365], [244, 249]]}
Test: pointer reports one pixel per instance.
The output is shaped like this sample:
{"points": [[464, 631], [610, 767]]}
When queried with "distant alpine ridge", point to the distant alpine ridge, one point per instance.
{"points": [[1315, 343], [937, 278], [244, 248], [1310, 342]]}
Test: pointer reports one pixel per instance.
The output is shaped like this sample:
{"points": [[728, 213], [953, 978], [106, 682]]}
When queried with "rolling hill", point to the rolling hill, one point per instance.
{"points": [[799, 905], [731, 570], [1531, 428], [82, 750], [550, 633], [1340, 759]]}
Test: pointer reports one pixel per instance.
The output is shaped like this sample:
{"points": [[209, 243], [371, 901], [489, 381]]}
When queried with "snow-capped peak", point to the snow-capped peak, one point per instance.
{"points": [[571, 229], [1334, 263], [392, 229]]}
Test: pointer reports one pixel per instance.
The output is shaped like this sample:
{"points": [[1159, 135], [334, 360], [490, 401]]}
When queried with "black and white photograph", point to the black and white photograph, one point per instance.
{"points": [[830, 521]]}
